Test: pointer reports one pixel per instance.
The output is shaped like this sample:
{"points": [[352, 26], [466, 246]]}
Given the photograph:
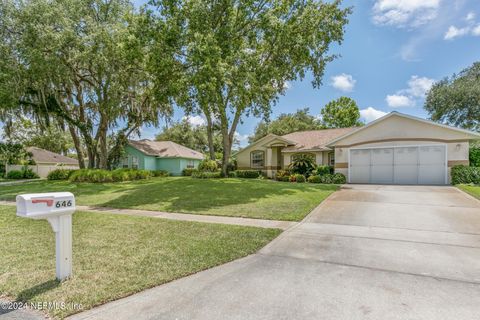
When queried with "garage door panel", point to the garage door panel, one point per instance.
{"points": [[431, 174], [431, 155], [360, 157], [382, 157], [406, 156], [360, 174], [382, 174], [406, 174]]}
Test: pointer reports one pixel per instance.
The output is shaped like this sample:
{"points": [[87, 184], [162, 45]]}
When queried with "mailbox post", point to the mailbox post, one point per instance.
{"points": [[57, 208]]}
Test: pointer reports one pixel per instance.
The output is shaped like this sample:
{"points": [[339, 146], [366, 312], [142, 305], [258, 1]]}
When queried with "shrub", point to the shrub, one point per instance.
{"points": [[322, 170], [474, 155], [60, 174], [188, 171], [339, 178], [292, 178], [159, 173], [25, 173], [281, 174], [29, 174], [303, 164], [464, 175], [122, 175], [327, 178], [286, 178], [206, 175], [300, 178], [315, 179], [100, 175], [15, 174], [232, 174], [208, 166], [249, 174]]}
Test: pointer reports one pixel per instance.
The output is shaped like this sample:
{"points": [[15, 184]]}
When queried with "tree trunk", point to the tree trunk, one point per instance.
{"points": [[102, 143], [78, 147], [226, 151], [211, 148]]}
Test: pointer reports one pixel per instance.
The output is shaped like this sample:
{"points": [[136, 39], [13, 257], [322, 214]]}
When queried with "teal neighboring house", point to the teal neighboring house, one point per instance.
{"points": [[160, 155]]}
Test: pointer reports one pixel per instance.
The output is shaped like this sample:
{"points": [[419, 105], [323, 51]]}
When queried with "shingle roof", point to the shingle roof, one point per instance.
{"points": [[314, 139], [44, 156], [165, 149]]}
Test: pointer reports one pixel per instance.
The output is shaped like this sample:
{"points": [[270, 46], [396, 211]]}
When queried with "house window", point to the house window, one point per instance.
{"points": [[134, 162], [190, 164], [257, 159], [125, 162], [331, 159]]}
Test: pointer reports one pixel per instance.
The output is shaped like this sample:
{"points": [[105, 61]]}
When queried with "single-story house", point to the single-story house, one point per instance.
{"points": [[46, 161], [394, 149], [160, 155]]}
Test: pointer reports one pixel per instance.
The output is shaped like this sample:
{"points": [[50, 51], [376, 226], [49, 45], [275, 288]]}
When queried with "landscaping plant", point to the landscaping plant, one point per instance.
{"points": [[60, 174], [303, 164], [465, 175], [251, 174]]}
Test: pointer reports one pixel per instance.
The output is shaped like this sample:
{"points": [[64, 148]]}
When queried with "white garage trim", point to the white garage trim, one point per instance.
{"points": [[393, 163]]}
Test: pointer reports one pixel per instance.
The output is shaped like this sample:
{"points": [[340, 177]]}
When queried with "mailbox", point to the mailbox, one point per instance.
{"points": [[44, 205], [57, 208]]}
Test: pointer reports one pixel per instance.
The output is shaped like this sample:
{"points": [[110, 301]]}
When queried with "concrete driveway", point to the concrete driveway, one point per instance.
{"points": [[368, 252]]}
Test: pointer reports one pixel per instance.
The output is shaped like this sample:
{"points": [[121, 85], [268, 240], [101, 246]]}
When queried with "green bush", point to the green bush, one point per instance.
{"points": [[327, 178], [187, 172], [208, 166], [15, 174], [315, 179], [29, 174], [322, 170], [465, 175], [159, 173], [232, 174], [206, 175], [300, 178], [339, 178], [25, 173], [292, 178], [281, 174], [249, 174], [60, 174], [474, 155], [119, 175]]}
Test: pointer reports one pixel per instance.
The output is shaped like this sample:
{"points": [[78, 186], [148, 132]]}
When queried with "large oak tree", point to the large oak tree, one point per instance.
{"points": [[235, 57], [81, 62]]}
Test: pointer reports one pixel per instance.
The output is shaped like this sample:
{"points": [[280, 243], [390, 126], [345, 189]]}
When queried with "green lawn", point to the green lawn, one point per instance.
{"points": [[253, 198], [470, 189], [113, 256]]}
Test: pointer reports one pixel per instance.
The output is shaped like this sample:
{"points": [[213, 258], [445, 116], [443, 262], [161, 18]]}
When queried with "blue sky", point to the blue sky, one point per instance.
{"points": [[392, 52]]}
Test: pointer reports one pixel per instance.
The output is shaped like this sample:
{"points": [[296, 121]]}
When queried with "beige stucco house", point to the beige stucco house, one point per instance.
{"points": [[395, 149]]}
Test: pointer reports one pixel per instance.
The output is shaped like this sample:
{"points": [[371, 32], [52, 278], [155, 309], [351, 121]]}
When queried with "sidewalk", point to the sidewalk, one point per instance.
{"points": [[283, 225]]}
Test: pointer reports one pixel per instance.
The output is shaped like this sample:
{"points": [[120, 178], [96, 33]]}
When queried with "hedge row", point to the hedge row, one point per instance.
{"points": [[465, 175], [98, 175], [25, 173]]}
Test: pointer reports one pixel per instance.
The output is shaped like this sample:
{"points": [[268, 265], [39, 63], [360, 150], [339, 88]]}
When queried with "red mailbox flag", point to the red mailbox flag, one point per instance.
{"points": [[49, 202]]}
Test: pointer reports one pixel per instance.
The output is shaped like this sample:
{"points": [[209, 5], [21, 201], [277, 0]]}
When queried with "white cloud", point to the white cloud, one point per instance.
{"points": [[470, 16], [419, 86], [404, 13], [476, 31], [195, 120], [399, 101], [370, 114], [454, 32], [343, 82]]}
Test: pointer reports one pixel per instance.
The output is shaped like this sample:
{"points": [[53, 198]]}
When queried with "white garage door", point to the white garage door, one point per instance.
{"points": [[399, 165]]}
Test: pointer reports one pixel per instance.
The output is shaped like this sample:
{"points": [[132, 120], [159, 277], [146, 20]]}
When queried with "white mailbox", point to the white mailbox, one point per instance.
{"points": [[57, 208]]}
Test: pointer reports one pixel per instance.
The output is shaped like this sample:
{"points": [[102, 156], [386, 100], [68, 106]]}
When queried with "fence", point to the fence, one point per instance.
{"points": [[41, 170]]}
